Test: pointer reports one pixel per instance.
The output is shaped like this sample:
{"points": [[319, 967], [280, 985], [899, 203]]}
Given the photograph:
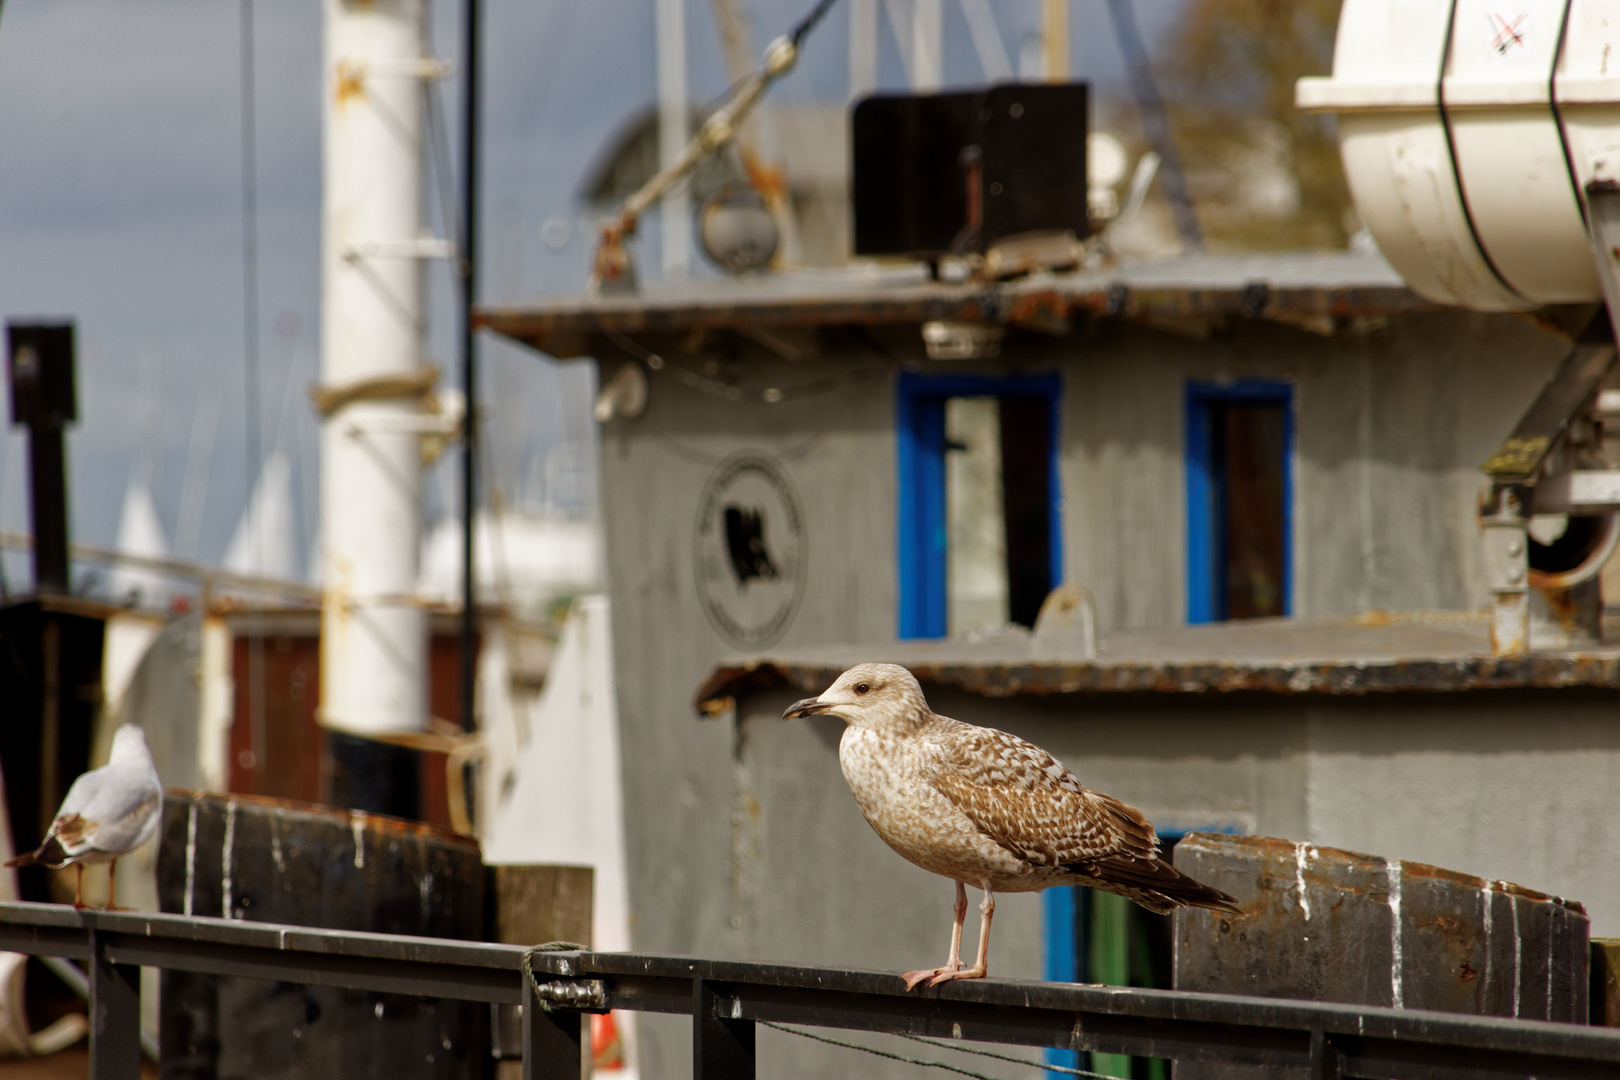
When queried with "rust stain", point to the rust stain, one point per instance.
{"points": [[349, 81], [1423, 870], [1467, 972], [564, 327]]}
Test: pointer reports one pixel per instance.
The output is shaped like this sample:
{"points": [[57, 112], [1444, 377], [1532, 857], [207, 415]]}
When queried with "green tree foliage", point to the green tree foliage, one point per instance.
{"points": [[1263, 174]]}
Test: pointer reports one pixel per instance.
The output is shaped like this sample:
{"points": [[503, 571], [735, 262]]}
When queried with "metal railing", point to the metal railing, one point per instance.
{"points": [[727, 999]]}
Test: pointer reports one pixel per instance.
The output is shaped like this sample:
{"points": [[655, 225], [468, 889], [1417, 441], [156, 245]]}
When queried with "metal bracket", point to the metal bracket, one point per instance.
{"points": [[1583, 491], [422, 67], [1573, 387], [1505, 532], [1529, 474], [413, 424], [423, 247]]}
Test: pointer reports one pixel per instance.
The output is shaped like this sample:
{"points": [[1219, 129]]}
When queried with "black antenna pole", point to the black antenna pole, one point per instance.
{"points": [[251, 386], [469, 361]]}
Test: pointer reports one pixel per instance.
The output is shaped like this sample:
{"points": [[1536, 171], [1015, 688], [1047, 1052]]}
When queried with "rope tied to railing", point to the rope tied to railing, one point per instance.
{"points": [[1065, 1069]]}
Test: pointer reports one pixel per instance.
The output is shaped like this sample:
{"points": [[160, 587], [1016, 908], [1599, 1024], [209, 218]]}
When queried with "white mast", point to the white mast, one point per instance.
{"points": [[863, 47], [674, 117], [373, 633], [927, 45]]}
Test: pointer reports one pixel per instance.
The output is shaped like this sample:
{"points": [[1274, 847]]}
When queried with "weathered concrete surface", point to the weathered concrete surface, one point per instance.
{"points": [[743, 840], [1323, 924], [1390, 428]]}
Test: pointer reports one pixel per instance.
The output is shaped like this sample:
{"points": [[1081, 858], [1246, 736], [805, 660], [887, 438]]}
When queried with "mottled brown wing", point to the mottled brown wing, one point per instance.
{"points": [[1030, 803]]}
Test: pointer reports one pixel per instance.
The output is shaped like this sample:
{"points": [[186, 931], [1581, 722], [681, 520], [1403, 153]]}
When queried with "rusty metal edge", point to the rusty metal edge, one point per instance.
{"points": [[381, 823], [1278, 847], [565, 325], [729, 681]]}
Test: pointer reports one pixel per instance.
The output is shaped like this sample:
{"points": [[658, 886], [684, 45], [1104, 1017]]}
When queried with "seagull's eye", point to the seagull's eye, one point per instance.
{"points": [[861, 688]]}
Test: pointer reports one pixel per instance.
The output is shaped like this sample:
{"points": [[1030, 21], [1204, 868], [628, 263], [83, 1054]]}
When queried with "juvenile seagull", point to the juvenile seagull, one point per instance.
{"points": [[987, 809], [108, 812]]}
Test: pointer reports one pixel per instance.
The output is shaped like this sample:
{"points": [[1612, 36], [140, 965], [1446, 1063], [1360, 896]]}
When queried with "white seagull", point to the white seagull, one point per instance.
{"points": [[987, 809], [108, 812]]}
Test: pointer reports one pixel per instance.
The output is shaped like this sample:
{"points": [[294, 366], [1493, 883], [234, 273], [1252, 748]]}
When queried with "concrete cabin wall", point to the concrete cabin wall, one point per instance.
{"points": [[1390, 428], [743, 839], [680, 773]]}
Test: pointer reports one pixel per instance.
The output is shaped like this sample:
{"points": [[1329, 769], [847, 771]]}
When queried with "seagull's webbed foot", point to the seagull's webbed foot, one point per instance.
{"points": [[977, 971], [937, 975]]}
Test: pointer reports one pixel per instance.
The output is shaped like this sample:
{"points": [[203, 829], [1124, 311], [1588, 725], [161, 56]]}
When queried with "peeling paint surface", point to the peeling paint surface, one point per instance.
{"points": [[358, 826], [1380, 932], [269, 860], [227, 854], [1397, 986]]}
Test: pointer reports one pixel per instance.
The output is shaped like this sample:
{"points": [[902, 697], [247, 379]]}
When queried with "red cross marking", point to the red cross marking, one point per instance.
{"points": [[1508, 34]]}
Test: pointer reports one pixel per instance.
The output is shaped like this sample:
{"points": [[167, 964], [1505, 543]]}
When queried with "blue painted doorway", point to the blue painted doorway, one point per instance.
{"points": [[1240, 499], [1029, 407]]}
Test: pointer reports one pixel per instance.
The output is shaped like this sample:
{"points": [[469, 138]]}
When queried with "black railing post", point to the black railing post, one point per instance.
{"points": [[1324, 1056], [551, 1043], [115, 1015], [722, 1048]]}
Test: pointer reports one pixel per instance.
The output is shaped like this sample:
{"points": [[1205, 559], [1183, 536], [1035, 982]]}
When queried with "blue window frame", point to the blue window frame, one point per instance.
{"points": [[920, 427], [1226, 501]]}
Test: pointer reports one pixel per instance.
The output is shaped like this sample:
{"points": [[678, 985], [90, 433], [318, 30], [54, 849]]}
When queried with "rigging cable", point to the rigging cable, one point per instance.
{"points": [[1045, 1067], [254, 522], [468, 267], [1156, 122]]}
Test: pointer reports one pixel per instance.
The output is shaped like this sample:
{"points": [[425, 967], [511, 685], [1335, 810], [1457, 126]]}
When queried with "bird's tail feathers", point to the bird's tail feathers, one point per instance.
{"points": [[1154, 884], [51, 853]]}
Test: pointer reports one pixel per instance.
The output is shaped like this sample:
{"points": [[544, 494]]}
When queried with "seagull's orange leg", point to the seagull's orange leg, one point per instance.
{"points": [[78, 890], [112, 887], [955, 962], [981, 966]]}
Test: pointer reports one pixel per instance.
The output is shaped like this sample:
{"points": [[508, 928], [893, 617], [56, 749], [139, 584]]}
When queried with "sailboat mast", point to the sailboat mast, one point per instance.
{"points": [[373, 631]]}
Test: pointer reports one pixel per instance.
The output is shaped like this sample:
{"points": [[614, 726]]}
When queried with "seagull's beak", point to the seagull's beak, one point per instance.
{"points": [[810, 706]]}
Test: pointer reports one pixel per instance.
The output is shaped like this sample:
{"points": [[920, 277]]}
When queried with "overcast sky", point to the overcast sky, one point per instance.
{"points": [[121, 207]]}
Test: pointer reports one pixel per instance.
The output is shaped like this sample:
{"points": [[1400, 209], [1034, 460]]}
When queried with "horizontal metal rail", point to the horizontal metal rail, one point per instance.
{"points": [[726, 999]]}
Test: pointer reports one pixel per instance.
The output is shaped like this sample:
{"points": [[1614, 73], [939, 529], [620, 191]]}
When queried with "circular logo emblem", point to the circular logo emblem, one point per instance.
{"points": [[750, 550]]}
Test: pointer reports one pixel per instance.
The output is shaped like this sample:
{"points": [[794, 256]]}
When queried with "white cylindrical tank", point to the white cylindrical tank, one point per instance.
{"points": [[373, 630], [1469, 130]]}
